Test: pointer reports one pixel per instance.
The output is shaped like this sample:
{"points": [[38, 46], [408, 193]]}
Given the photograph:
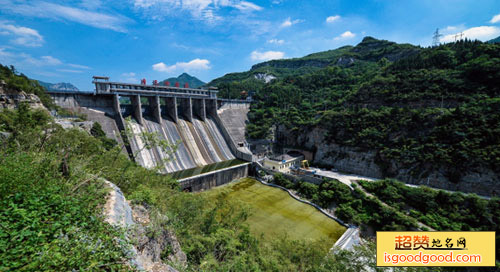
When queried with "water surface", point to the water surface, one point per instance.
{"points": [[275, 212]]}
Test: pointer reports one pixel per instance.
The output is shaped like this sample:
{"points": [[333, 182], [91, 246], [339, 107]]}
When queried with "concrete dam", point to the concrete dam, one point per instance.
{"points": [[186, 117]]}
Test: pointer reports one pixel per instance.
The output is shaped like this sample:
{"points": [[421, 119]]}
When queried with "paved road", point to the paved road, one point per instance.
{"points": [[348, 179]]}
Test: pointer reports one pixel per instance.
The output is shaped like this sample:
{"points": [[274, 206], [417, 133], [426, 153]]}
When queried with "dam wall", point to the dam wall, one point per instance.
{"points": [[199, 143], [185, 118], [215, 178], [98, 109]]}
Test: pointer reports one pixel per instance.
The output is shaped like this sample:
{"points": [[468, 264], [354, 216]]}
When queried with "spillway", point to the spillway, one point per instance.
{"points": [[199, 143]]}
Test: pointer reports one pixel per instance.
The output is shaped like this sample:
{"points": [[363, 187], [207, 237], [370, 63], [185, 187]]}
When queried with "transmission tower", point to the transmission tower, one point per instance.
{"points": [[436, 37], [459, 36]]}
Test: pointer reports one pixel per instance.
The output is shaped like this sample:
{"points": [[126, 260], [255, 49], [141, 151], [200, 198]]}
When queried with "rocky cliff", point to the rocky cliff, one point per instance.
{"points": [[10, 99], [482, 181], [150, 241]]}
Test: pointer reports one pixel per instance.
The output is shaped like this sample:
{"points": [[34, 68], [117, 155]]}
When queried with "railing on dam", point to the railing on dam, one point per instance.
{"points": [[109, 87]]}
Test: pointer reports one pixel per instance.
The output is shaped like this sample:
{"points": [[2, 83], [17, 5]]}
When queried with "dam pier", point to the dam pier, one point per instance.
{"points": [[186, 117]]}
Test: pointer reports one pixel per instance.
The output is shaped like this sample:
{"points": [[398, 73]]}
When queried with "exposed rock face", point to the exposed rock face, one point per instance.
{"points": [[68, 123], [10, 99], [345, 159], [264, 77], [293, 63], [345, 61], [150, 242], [482, 181], [151, 245]]}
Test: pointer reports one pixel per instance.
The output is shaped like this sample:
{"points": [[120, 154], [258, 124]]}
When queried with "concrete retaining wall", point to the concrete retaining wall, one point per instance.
{"points": [[239, 154], [101, 109], [212, 179], [73, 100]]}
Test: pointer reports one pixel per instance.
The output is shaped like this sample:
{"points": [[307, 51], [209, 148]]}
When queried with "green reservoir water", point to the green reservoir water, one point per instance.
{"points": [[205, 169], [274, 212]]}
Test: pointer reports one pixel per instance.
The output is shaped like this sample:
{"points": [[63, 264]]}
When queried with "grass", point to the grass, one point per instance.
{"points": [[275, 213]]}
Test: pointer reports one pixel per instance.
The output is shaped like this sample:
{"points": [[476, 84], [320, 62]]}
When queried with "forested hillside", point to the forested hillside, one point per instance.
{"points": [[369, 50], [59, 87], [19, 82], [183, 78], [429, 109]]}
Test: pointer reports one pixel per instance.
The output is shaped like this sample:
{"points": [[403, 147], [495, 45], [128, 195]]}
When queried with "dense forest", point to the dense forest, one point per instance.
{"points": [[425, 108]]}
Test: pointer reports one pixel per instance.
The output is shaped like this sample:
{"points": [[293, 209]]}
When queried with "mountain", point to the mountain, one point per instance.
{"points": [[59, 87], [185, 78], [421, 115], [369, 50], [495, 40]]}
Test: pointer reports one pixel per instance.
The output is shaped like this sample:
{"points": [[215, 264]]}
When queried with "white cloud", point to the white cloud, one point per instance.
{"points": [[276, 41], [450, 28], [199, 9], [70, 71], [91, 4], [482, 33], [49, 60], [288, 22], [495, 19], [78, 66], [346, 35], [196, 64], [55, 11], [129, 77], [26, 60], [131, 74], [268, 55], [244, 5], [332, 19], [24, 36]]}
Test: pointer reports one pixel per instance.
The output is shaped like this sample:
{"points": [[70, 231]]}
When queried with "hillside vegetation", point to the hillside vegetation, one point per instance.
{"points": [[232, 84], [429, 108], [183, 78], [20, 82]]}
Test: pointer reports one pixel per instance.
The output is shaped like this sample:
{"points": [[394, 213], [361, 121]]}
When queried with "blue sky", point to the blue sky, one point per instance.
{"points": [[70, 41]]}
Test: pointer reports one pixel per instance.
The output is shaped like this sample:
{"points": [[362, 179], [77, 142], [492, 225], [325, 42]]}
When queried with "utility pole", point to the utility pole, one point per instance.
{"points": [[436, 37]]}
